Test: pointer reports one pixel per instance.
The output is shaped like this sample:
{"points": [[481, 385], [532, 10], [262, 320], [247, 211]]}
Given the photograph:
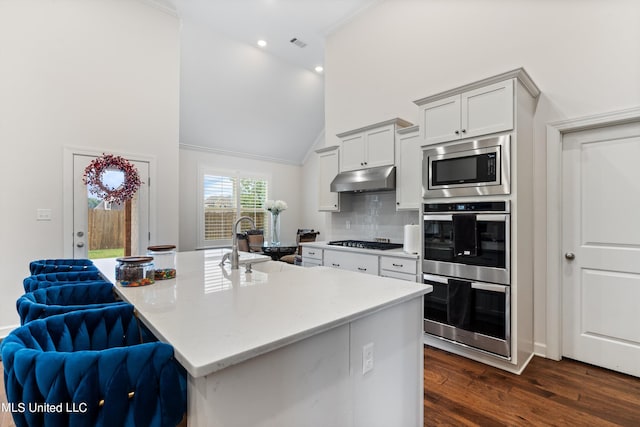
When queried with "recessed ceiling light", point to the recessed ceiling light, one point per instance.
{"points": [[262, 43], [319, 69]]}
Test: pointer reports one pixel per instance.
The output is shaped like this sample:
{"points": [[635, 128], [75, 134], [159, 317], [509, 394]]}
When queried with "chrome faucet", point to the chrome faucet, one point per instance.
{"points": [[233, 256]]}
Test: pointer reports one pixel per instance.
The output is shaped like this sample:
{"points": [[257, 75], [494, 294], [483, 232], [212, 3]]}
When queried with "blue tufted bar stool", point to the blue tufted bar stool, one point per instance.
{"points": [[91, 365], [45, 280], [46, 302], [60, 265]]}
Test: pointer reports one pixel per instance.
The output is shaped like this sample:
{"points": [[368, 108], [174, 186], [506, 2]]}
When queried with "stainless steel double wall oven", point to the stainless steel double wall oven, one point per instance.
{"points": [[467, 244]]}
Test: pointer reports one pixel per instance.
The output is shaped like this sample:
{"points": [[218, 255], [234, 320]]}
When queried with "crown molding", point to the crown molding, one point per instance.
{"points": [[237, 154], [519, 73]]}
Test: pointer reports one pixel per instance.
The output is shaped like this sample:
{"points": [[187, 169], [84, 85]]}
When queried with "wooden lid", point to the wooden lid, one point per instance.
{"points": [[160, 248], [135, 259]]}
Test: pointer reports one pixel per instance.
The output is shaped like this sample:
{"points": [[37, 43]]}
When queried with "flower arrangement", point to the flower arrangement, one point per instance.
{"points": [[93, 178], [275, 207]]}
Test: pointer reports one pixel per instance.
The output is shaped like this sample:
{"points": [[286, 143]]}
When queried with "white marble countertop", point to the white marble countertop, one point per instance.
{"points": [[215, 317], [399, 253]]}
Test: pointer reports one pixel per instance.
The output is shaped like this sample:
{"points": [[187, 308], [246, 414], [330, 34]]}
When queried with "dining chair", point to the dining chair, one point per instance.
{"points": [[303, 235]]}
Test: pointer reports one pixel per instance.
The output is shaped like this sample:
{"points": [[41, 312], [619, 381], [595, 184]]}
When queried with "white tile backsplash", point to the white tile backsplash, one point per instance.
{"points": [[371, 215]]}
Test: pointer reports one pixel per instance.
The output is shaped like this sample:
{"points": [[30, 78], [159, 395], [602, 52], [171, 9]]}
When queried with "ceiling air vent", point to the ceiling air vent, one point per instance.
{"points": [[298, 42]]}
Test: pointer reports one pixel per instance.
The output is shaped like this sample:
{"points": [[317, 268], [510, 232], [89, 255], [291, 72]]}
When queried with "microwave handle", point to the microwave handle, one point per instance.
{"points": [[489, 287], [437, 279]]}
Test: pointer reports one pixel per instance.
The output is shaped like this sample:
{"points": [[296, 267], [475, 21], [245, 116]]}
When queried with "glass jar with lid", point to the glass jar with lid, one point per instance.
{"points": [[165, 261], [134, 271]]}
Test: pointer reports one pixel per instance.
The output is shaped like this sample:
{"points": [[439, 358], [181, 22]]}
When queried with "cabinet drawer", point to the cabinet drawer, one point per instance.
{"points": [[311, 253], [307, 262], [401, 276], [361, 263], [399, 265]]}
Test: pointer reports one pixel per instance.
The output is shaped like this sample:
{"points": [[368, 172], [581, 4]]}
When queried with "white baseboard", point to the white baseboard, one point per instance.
{"points": [[540, 349]]}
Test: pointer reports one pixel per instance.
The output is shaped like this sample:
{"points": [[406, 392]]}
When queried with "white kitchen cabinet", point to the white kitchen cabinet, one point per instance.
{"points": [[311, 257], [328, 168], [370, 146], [479, 111], [408, 168], [362, 263], [399, 268]]}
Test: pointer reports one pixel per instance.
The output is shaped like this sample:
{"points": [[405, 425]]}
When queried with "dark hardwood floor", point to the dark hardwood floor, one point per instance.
{"points": [[461, 392]]}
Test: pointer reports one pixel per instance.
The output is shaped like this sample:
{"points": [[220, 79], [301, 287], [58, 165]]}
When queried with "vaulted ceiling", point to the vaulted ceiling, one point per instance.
{"points": [[239, 98]]}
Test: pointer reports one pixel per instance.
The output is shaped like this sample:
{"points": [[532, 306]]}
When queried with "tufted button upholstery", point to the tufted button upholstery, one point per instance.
{"points": [[46, 302], [60, 265], [45, 280], [91, 360]]}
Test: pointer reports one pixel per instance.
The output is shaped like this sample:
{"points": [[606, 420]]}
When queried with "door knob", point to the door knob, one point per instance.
{"points": [[80, 233], [80, 244], [570, 256]]}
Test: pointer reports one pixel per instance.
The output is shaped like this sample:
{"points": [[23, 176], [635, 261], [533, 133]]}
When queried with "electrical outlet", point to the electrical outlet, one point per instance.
{"points": [[367, 358], [43, 214]]}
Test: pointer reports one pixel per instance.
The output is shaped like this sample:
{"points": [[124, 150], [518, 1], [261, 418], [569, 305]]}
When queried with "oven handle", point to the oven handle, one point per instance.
{"points": [[437, 279], [489, 287], [438, 217], [479, 217]]}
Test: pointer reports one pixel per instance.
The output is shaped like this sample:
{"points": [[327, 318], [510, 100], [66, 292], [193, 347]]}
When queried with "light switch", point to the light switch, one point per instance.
{"points": [[43, 214]]}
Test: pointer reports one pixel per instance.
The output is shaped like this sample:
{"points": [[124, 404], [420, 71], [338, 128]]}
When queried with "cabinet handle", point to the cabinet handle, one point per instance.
{"points": [[398, 203], [464, 131], [397, 265], [361, 164], [311, 253], [362, 269], [365, 163], [335, 265], [457, 132]]}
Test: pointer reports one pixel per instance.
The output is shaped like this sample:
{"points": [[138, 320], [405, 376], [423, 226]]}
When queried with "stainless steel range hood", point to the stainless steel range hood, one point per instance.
{"points": [[371, 179]]}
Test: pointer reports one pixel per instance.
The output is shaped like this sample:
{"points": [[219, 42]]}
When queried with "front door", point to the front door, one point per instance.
{"points": [[104, 230], [601, 247]]}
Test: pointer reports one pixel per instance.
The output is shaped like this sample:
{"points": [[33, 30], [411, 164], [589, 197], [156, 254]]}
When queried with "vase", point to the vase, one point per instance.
{"points": [[275, 229]]}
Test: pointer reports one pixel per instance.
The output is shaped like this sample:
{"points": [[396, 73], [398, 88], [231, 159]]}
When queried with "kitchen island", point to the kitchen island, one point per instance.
{"points": [[288, 346]]}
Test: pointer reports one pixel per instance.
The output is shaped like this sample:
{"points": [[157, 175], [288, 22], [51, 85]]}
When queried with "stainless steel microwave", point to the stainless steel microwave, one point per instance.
{"points": [[473, 168]]}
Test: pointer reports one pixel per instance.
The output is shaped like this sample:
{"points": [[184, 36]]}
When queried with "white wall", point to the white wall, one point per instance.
{"points": [[285, 180], [583, 56], [98, 74], [238, 98]]}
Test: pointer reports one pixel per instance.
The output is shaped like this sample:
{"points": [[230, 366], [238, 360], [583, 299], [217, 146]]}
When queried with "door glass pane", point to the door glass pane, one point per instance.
{"points": [[107, 227]]}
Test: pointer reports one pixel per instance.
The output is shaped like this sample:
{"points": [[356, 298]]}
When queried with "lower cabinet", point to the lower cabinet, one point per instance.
{"points": [[378, 265], [399, 268], [311, 257], [352, 261]]}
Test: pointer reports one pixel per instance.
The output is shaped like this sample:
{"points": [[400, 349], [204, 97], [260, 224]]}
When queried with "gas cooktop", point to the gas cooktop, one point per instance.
{"points": [[366, 245]]}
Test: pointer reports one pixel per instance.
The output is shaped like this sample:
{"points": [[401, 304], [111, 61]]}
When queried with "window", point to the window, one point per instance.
{"points": [[225, 198]]}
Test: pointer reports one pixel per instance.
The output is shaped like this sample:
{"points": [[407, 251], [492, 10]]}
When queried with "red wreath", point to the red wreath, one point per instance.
{"points": [[93, 178]]}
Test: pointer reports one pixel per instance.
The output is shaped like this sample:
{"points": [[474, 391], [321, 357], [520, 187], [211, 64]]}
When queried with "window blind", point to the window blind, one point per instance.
{"points": [[225, 199]]}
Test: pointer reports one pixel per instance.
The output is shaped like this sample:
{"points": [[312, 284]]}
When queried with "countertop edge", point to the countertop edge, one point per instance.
{"points": [[397, 253]]}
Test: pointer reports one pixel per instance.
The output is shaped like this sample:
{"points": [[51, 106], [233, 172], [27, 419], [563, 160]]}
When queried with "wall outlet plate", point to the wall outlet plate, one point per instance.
{"points": [[43, 214], [367, 358]]}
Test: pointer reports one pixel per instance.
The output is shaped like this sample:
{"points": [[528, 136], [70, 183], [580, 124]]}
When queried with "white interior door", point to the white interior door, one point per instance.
{"points": [[601, 245], [99, 228]]}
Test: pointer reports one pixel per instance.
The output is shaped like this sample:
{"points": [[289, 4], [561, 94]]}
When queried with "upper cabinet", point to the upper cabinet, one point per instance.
{"points": [[481, 108], [328, 165], [370, 146], [408, 168]]}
